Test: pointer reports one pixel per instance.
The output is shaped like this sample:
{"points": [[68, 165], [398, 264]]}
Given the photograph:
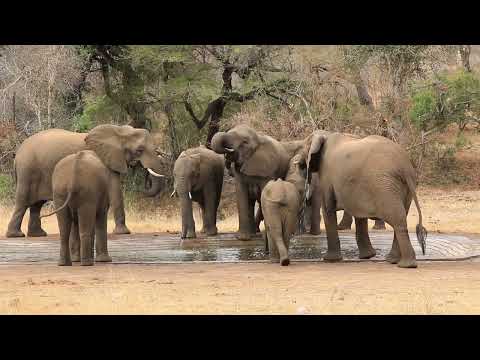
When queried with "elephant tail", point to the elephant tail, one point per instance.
{"points": [[420, 230], [71, 187], [69, 196]]}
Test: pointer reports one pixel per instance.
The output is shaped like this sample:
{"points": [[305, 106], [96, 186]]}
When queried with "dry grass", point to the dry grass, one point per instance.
{"points": [[448, 211]]}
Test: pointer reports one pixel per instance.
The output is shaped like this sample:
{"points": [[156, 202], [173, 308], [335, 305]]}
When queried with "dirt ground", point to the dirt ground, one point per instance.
{"points": [[302, 288]]}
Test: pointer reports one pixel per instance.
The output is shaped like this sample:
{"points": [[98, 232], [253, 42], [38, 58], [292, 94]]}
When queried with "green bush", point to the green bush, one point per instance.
{"points": [[451, 98], [7, 187], [98, 110]]}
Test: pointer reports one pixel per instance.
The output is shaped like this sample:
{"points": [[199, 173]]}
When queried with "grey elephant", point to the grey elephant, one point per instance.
{"points": [[80, 184], [256, 159], [281, 204], [368, 178], [198, 176], [36, 158]]}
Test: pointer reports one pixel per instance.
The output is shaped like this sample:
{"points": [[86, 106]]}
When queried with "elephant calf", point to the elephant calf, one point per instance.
{"points": [[198, 176], [281, 201], [80, 185]]}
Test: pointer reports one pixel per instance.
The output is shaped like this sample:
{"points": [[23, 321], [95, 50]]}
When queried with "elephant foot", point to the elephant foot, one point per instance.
{"points": [[103, 258], [332, 257], [379, 226], [315, 231], [14, 234], [367, 254], [121, 229], [189, 235], [75, 258], [392, 258], [36, 233], [285, 262], [87, 262], [211, 232], [344, 226], [407, 263], [243, 236], [64, 262]]}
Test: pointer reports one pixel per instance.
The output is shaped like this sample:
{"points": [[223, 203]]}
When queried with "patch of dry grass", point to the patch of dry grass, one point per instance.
{"points": [[449, 211]]}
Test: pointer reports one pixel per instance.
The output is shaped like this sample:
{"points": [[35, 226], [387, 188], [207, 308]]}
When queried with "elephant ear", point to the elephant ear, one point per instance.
{"points": [[106, 141], [262, 163], [196, 164], [314, 152]]}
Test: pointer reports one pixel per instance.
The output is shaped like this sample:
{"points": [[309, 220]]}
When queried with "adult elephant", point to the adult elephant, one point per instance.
{"points": [[198, 177], [116, 146], [256, 159], [368, 178]]}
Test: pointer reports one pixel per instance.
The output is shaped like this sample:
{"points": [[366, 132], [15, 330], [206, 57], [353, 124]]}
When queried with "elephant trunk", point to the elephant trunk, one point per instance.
{"points": [[220, 144], [155, 186]]}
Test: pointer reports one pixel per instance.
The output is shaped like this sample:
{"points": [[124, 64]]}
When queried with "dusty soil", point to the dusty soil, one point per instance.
{"points": [[302, 288]]}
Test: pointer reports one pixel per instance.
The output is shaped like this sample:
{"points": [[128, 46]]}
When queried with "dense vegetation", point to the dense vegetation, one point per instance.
{"points": [[184, 94]]}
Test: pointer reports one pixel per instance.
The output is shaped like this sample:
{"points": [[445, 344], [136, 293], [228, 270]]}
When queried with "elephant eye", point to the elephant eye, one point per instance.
{"points": [[139, 151]]}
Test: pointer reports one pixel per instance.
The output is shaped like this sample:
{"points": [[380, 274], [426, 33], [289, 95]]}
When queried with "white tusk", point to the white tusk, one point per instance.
{"points": [[229, 149], [173, 193], [154, 173], [190, 195]]}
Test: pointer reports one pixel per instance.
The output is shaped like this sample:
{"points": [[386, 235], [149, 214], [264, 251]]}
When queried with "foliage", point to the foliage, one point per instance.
{"points": [[7, 187], [97, 110], [450, 98]]}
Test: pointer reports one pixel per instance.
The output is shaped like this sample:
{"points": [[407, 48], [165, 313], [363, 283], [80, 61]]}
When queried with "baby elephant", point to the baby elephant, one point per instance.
{"points": [[80, 185], [281, 203]]}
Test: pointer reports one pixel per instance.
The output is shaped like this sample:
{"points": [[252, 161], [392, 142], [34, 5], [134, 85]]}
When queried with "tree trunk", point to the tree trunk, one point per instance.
{"points": [[214, 125], [464, 53], [362, 91]]}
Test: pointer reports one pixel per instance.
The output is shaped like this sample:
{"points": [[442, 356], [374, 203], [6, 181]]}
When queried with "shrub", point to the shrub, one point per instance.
{"points": [[451, 98], [7, 188]]}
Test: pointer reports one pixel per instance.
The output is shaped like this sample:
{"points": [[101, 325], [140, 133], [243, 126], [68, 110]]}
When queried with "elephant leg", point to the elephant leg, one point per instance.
{"points": [[64, 224], [398, 220], [210, 211], [14, 226], [315, 215], [245, 211], [346, 222], [363, 240], [188, 222], [101, 248], [86, 226], [258, 218], [334, 252], [118, 206], [393, 257], [75, 239], [379, 225], [34, 224]]}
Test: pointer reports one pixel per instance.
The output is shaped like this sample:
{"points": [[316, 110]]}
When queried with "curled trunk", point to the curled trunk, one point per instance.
{"points": [[153, 185]]}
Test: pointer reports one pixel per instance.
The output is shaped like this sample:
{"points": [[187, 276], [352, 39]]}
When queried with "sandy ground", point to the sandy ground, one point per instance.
{"points": [[302, 288], [310, 288]]}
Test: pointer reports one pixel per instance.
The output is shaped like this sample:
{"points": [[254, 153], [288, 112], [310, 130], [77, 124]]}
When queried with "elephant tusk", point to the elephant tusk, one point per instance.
{"points": [[173, 193], [154, 173], [190, 195], [229, 149]]}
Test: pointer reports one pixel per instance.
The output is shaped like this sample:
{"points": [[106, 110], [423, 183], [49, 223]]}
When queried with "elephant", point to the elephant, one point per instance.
{"points": [[80, 185], [198, 176], [281, 201], [116, 146], [256, 159], [371, 177]]}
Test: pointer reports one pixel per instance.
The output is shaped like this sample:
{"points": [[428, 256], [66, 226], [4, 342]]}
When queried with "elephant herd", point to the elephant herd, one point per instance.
{"points": [[368, 178]]}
